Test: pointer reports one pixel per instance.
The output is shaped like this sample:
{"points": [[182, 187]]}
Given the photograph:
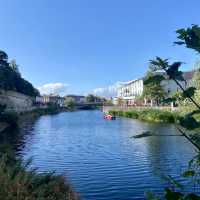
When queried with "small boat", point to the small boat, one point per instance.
{"points": [[109, 117]]}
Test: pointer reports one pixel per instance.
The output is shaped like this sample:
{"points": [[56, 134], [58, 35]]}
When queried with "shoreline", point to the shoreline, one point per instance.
{"points": [[55, 185], [160, 116]]}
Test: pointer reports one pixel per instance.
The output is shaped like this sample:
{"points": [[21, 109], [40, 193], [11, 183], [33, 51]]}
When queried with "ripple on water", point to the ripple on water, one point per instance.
{"points": [[100, 158]]}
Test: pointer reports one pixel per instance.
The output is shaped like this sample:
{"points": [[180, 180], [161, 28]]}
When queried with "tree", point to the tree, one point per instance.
{"points": [[153, 89], [190, 37], [13, 65], [120, 101], [91, 98], [3, 59], [69, 102], [10, 78]]}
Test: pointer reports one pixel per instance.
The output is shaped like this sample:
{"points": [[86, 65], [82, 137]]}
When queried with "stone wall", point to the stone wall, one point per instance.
{"points": [[16, 102]]}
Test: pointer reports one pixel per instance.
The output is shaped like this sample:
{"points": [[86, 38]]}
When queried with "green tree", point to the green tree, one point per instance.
{"points": [[190, 37], [13, 65], [10, 78], [69, 102], [153, 89], [3, 59], [91, 98]]}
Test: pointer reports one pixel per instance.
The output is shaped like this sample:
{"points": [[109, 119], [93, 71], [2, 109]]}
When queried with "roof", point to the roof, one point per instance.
{"points": [[75, 96], [188, 75]]}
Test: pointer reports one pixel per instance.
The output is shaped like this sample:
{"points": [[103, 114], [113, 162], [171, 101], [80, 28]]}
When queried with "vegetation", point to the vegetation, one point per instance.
{"points": [[10, 77], [8, 117], [92, 98], [153, 89], [150, 115], [69, 103], [189, 37], [19, 182]]}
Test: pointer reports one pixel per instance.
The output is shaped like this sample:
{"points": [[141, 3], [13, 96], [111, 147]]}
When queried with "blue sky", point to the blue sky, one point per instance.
{"points": [[90, 44]]}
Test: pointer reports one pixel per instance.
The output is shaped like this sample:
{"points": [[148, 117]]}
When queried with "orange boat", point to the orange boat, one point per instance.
{"points": [[109, 117]]}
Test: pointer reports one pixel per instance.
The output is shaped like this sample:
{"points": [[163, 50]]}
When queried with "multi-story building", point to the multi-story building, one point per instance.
{"points": [[129, 92]]}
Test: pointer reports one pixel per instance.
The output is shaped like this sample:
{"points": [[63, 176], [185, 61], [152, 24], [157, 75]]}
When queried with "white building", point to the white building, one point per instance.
{"points": [[131, 90]]}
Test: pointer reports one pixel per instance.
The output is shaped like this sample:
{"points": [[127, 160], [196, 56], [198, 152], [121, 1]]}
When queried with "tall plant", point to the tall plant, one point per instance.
{"points": [[189, 37]]}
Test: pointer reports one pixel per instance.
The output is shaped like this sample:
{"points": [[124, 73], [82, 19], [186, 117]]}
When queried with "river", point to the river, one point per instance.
{"points": [[100, 158]]}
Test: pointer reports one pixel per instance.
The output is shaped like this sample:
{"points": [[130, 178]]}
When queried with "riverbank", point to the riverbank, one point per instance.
{"points": [[163, 116], [12, 119], [17, 180], [150, 115]]}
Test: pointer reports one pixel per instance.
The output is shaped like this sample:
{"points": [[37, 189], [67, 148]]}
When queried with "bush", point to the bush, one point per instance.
{"points": [[131, 114], [19, 182], [152, 115], [11, 118]]}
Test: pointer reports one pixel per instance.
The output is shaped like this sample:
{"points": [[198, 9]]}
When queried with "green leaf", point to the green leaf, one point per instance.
{"points": [[192, 197], [169, 100], [150, 196], [171, 195], [188, 173], [189, 92], [189, 122]]}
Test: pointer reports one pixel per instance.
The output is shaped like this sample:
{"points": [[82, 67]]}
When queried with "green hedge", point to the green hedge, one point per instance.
{"points": [[152, 115]]}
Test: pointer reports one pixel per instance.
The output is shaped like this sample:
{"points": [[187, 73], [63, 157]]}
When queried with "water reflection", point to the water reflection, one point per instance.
{"points": [[100, 158]]}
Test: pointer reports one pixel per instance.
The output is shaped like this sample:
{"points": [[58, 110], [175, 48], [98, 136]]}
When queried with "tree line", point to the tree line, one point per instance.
{"points": [[11, 79]]}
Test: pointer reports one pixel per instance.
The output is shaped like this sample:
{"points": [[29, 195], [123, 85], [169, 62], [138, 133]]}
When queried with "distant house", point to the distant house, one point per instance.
{"points": [[39, 99], [54, 99], [78, 99], [130, 91]]}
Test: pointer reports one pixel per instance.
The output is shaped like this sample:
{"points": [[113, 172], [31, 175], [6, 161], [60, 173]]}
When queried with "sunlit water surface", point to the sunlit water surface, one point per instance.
{"points": [[100, 158]]}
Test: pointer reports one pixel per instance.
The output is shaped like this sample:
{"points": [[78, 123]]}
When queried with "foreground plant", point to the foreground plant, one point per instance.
{"points": [[19, 182], [189, 37]]}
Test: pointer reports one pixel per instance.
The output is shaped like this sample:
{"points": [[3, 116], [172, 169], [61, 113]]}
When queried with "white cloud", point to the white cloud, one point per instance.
{"points": [[54, 88], [110, 91]]}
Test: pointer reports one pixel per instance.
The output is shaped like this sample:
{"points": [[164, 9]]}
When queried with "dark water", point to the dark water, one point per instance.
{"points": [[99, 157]]}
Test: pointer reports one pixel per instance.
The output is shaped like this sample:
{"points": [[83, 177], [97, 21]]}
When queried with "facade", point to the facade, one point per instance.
{"points": [[39, 100], [130, 92], [54, 99], [75, 98]]}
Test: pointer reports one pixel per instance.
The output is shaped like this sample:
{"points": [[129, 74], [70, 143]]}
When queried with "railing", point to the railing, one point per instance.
{"points": [[128, 108]]}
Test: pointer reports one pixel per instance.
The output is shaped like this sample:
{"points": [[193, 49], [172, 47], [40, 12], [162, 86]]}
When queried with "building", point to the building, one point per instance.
{"points": [[54, 99], [130, 92], [39, 100], [78, 99]]}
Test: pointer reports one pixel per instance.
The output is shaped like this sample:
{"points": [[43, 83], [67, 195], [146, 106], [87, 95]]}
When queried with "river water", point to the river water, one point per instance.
{"points": [[100, 158]]}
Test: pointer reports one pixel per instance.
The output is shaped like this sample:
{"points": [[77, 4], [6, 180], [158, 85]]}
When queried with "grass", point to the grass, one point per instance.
{"points": [[150, 115], [19, 182]]}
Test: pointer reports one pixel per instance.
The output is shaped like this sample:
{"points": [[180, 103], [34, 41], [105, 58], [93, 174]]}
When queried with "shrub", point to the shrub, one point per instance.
{"points": [[131, 114], [152, 115], [10, 117], [19, 182]]}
